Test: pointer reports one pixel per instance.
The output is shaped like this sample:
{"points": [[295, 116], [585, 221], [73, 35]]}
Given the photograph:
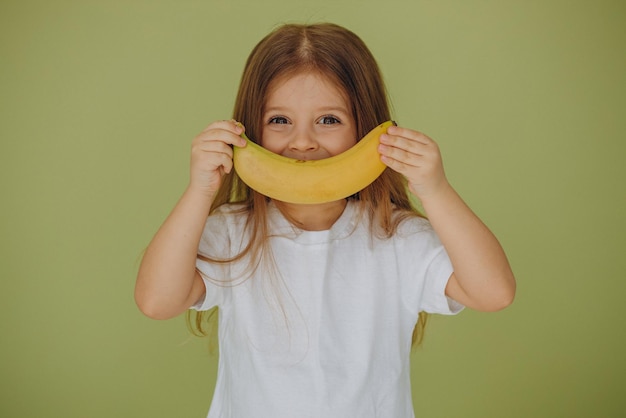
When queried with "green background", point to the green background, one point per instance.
{"points": [[99, 102]]}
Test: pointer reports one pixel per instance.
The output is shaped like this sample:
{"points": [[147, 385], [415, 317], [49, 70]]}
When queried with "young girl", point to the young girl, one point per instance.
{"points": [[318, 303]]}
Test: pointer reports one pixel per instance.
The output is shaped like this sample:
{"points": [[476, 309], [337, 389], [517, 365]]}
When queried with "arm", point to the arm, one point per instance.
{"points": [[482, 277], [167, 282]]}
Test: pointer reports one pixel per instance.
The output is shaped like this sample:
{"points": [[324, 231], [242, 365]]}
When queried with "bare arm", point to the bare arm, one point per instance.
{"points": [[482, 277], [167, 282]]}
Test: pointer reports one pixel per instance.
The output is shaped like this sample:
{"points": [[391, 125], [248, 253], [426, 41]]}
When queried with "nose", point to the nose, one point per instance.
{"points": [[303, 141]]}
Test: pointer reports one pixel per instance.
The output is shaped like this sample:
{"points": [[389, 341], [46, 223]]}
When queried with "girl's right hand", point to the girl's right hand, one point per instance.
{"points": [[212, 155]]}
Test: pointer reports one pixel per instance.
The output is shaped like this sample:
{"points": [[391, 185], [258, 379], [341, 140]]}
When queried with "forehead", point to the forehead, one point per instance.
{"points": [[301, 81]]}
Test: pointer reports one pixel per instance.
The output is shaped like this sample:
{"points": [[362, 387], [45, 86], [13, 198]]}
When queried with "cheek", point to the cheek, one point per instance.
{"points": [[343, 144], [271, 142]]}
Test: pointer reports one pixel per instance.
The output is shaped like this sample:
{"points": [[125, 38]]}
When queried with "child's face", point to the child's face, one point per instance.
{"points": [[306, 117]]}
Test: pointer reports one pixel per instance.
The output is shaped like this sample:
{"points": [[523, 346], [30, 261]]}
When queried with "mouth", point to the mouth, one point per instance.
{"points": [[300, 158]]}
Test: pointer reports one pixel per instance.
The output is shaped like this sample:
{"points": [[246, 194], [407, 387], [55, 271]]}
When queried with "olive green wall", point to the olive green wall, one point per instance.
{"points": [[99, 102]]}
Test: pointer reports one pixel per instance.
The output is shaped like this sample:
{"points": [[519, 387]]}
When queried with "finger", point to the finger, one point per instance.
{"points": [[216, 141], [408, 145], [228, 125], [206, 150], [211, 161], [400, 155], [396, 165], [226, 136], [411, 134], [224, 162], [215, 155]]}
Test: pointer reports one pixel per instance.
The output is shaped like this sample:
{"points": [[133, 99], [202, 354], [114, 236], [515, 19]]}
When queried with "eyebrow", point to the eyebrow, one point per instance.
{"points": [[329, 109]]}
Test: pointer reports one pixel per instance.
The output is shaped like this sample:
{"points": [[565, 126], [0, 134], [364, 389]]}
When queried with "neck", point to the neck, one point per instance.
{"points": [[318, 217]]}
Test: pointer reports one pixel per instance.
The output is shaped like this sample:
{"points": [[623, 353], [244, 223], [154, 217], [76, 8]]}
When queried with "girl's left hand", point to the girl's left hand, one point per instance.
{"points": [[415, 156]]}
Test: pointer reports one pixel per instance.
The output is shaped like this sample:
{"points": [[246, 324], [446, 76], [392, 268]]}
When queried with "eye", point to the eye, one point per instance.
{"points": [[328, 120], [278, 120]]}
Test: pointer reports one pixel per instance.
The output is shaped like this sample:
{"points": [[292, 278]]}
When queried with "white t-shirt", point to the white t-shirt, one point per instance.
{"points": [[330, 334]]}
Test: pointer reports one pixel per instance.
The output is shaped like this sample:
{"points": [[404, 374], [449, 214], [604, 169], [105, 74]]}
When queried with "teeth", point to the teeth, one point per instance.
{"points": [[314, 181]]}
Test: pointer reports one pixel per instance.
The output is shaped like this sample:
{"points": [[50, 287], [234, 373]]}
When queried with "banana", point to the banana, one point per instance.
{"points": [[314, 181]]}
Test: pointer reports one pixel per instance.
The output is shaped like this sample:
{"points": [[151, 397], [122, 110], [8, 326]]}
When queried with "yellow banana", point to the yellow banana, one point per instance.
{"points": [[314, 181]]}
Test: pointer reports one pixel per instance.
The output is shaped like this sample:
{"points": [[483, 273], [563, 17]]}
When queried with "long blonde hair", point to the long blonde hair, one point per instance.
{"points": [[338, 54]]}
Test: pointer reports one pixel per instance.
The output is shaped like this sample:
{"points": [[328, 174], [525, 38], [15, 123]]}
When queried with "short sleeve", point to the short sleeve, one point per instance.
{"points": [[428, 270], [216, 243], [434, 299], [212, 296]]}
